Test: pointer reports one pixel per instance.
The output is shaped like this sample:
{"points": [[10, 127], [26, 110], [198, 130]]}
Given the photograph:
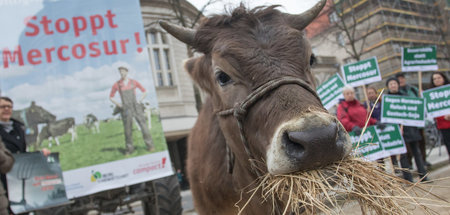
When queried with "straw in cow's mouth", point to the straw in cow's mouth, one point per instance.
{"points": [[328, 189]]}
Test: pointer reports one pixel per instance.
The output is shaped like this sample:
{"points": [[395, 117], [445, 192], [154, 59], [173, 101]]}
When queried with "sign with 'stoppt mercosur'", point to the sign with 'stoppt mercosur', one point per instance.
{"points": [[391, 139], [419, 59], [79, 72], [369, 145], [331, 91], [409, 111], [361, 72], [437, 101]]}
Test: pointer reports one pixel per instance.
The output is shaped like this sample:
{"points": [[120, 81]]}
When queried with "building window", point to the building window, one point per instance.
{"points": [[161, 58], [157, 59], [170, 79], [333, 17], [153, 37], [164, 38], [340, 39], [166, 58], [160, 79]]}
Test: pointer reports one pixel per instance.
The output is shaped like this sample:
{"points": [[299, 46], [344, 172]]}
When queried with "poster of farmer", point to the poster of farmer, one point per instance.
{"points": [[79, 76]]}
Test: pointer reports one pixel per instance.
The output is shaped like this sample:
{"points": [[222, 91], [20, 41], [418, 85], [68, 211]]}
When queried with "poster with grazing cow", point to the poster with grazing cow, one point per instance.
{"points": [[78, 73]]}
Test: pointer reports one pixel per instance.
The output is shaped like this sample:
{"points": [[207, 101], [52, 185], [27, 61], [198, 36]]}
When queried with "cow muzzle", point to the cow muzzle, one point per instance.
{"points": [[315, 139]]}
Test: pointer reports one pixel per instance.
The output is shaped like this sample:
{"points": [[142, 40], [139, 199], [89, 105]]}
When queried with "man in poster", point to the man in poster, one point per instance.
{"points": [[131, 108]]}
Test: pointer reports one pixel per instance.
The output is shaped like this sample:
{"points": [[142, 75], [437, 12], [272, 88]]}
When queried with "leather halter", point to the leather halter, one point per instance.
{"points": [[240, 110]]}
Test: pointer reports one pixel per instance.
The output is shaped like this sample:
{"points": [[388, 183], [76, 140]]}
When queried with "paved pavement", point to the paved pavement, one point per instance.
{"points": [[437, 157]]}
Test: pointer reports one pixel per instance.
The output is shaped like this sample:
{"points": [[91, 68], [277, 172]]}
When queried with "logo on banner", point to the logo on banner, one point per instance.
{"points": [[150, 167], [98, 177], [95, 176]]}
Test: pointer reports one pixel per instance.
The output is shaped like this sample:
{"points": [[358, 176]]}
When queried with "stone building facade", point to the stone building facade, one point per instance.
{"points": [[174, 88]]}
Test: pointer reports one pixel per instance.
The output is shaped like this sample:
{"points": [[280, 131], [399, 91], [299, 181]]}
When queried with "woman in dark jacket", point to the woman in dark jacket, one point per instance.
{"points": [[411, 135], [443, 122]]}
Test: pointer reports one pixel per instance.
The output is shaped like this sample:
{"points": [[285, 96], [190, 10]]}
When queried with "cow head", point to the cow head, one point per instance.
{"points": [[286, 127], [37, 114]]}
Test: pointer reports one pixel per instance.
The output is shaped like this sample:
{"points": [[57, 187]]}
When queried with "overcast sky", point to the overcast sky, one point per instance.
{"points": [[290, 6]]}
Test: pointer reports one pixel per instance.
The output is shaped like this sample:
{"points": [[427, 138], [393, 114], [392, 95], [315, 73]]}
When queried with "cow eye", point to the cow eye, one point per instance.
{"points": [[222, 78], [312, 60]]}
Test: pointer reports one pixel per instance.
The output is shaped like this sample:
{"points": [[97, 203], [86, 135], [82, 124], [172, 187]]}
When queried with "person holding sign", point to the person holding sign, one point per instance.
{"points": [[412, 91], [351, 113], [406, 88], [12, 133], [443, 122], [372, 95], [411, 136], [6, 163]]}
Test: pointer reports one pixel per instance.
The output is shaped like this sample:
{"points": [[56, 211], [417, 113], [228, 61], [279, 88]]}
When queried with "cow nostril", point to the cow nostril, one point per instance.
{"points": [[305, 146], [293, 147]]}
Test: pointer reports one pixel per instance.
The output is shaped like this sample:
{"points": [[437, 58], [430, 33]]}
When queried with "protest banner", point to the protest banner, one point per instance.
{"points": [[437, 101], [35, 182], [362, 72], [331, 91], [369, 144], [419, 59], [60, 61], [392, 140], [409, 111]]}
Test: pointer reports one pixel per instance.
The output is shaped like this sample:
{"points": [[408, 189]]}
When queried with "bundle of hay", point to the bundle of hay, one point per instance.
{"points": [[353, 179]]}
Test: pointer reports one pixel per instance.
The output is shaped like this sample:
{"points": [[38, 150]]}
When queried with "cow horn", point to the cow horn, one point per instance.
{"points": [[300, 21], [183, 34]]}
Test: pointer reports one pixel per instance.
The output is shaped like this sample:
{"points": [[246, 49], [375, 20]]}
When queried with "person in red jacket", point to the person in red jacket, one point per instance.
{"points": [[351, 113], [443, 122]]}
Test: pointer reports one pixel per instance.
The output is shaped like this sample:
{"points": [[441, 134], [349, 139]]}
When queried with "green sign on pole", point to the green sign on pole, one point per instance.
{"points": [[331, 91], [369, 147], [403, 110], [437, 101], [391, 139], [419, 59], [362, 72]]}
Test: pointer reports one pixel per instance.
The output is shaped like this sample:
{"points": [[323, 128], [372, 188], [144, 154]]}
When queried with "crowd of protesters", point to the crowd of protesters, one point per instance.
{"points": [[353, 115]]}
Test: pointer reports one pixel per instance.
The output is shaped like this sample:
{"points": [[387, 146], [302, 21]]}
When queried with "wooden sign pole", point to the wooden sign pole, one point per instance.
{"points": [[367, 98], [420, 83]]}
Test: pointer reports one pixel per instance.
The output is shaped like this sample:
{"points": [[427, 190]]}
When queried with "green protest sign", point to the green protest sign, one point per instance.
{"points": [[369, 147], [437, 101], [391, 139], [419, 59], [331, 91], [362, 72], [403, 110]]}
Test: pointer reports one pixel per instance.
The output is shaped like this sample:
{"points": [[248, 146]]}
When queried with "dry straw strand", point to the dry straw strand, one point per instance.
{"points": [[327, 190]]}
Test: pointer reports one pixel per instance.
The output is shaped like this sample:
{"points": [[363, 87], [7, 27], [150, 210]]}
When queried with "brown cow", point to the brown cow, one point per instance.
{"points": [[262, 114]]}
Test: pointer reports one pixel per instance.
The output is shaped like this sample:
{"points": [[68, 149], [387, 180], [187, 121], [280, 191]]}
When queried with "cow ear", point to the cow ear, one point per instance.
{"points": [[198, 70]]}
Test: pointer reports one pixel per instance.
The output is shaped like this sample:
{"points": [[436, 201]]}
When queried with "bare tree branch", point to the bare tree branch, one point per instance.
{"points": [[200, 13], [183, 19], [348, 24]]}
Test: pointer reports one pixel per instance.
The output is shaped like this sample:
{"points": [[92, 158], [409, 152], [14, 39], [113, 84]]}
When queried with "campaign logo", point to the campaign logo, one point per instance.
{"points": [[95, 175], [151, 167], [98, 177]]}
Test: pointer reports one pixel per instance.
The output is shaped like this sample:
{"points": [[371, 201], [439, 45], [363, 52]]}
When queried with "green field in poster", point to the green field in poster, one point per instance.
{"points": [[108, 145]]}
